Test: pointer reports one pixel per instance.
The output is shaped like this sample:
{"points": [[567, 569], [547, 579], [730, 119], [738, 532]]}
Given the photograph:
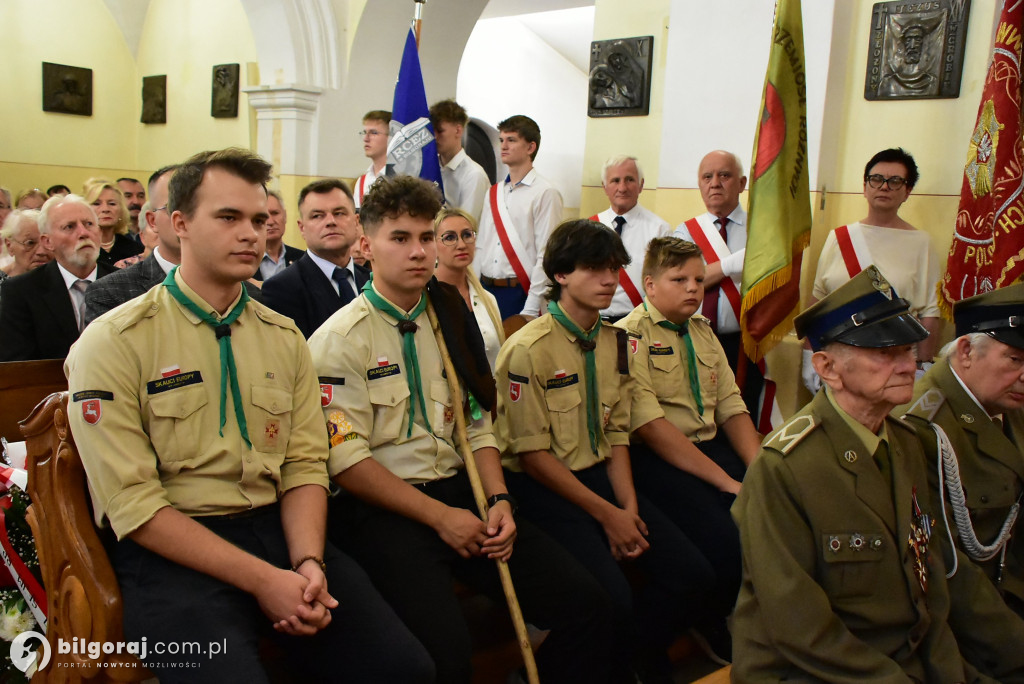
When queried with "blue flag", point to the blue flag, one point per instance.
{"points": [[412, 150]]}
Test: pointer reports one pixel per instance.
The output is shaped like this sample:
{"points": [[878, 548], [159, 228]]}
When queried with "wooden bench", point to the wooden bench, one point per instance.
{"points": [[23, 384], [82, 597]]}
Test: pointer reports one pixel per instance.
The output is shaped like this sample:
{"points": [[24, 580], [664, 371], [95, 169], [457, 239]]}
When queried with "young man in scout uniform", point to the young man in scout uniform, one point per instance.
{"points": [[692, 433], [408, 514], [844, 561], [563, 425], [975, 394], [195, 412]]}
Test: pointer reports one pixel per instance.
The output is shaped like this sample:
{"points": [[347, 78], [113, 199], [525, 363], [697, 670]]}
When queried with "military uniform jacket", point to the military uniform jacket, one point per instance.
{"points": [[663, 377], [365, 396], [542, 395], [991, 463], [829, 586], [144, 381]]}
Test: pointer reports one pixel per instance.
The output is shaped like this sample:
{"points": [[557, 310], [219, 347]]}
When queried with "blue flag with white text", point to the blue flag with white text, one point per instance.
{"points": [[411, 149]]}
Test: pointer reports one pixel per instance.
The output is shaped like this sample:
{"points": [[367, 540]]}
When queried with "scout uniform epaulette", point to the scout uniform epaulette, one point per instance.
{"points": [[355, 312], [792, 433], [927, 405], [268, 315], [130, 313], [622, 342]]}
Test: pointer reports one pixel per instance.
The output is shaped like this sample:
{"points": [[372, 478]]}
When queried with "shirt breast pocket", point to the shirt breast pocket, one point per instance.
{"points": [[176, 423], [272, 411], [852, 562], [666, 375], [443, 419], [389, 411], [563, 411]]}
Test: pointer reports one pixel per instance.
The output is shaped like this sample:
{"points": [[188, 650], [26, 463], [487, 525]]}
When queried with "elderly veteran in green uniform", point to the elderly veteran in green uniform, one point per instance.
{"points": [[973, 399], [408, 514], [196, 414], [844, 563], [692, 433], [564, 393]]}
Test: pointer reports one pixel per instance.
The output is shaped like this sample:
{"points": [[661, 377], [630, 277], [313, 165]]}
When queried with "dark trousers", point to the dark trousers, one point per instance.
{"points": [[413, 568], [671, 590], [753, 383], [510, 299], [701, 511], [169, 603]]}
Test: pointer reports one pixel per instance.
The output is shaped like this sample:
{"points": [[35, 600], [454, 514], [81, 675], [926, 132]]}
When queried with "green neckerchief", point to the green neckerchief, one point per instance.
{"points": [[412, 362], [222, 329], [691, 356], [587, 344]]}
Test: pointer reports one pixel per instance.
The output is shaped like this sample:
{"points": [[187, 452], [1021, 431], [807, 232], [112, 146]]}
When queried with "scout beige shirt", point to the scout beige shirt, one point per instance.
{"points": [[365, 396], [144, 381], [663, 376], [542, 395]]}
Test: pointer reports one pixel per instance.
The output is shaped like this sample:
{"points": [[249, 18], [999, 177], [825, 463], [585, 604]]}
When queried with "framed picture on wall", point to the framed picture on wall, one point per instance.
{"points": [[619, 83], [224, 96], [154, 99], [67, 89]]}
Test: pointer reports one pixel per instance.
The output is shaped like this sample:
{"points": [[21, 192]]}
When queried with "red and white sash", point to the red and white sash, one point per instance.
{"points": [[715, 249], [854, 249], [624, 280], [511, 243], [361, 188]]}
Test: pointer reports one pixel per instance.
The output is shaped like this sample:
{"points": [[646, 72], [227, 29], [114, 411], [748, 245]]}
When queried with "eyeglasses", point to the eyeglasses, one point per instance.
{"points": [[163, 208], [877, 180], [370, 132], [27, 244], [451, 238]]}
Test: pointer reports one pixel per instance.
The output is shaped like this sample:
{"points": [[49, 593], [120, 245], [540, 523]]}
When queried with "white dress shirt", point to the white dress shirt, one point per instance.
{"points": [[77, 296], [535, 207], [642, 226], [364, 182], [328, 270], [732, 265], [465, 184]]}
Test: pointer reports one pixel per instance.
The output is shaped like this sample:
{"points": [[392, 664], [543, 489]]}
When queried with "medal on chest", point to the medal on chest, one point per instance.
{"points": [[920, 534]]}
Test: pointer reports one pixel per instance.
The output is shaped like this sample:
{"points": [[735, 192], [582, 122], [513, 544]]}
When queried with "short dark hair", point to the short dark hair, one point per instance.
{"points": [[581, 243], [57, 188], [156, 175], [184, 185], [322, 187], [378, 115], [668, 252], [525, 127], [448, 111], [130, 180], [895, 154], [392, 196]]}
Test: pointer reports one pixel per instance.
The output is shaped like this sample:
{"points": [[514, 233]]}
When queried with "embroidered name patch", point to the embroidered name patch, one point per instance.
{"points": [[174, 382], [519, 378], [328, 380], [661, 351], [383, 371], [563, 381], [92, 394]]}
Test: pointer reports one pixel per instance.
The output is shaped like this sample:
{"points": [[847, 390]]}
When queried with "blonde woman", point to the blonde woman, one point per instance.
{"points": [[455, 231], [112, 217]]}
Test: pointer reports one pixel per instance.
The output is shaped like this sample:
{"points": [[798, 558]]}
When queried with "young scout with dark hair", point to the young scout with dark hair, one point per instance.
{"points": [[563, 424], [975, 394], [692, 432], [844, 560], [408, 512], [195, 411]]}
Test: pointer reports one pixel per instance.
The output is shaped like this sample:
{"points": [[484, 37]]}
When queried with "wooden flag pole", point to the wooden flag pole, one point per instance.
{"points": [[462, 440], [418, 21]]}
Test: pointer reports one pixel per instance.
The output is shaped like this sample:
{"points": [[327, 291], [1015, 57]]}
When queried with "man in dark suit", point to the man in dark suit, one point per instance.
{"points": [[278, 256], [129, 283], [325, 278], [43, 310]]}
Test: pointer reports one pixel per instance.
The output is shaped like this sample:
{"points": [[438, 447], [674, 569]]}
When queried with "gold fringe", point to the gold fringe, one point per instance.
{"points": [[756, 350], [945, 306]]}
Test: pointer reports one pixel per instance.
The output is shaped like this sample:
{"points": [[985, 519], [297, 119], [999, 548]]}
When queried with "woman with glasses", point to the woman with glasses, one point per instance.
{"points": [[456, 247], [20, 235], [901, 252], [112, 216]]}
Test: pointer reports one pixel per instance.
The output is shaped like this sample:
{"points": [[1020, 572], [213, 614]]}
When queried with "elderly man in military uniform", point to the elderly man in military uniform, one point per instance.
{"points": [[844, 562], [976, 396], [219, 496], [408, 515]]}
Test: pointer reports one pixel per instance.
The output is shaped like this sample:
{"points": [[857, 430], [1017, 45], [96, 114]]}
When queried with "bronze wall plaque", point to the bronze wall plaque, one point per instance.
{"points": [[67, 89], [154, 99], [916, 49], [224, 96], [620, 77]]}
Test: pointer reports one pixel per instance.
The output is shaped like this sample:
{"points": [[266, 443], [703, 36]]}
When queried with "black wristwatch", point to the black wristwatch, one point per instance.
{"points": [[503, 497]]}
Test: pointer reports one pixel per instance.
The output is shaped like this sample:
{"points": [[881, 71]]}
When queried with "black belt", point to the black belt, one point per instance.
{"points": [[499, 282]]}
